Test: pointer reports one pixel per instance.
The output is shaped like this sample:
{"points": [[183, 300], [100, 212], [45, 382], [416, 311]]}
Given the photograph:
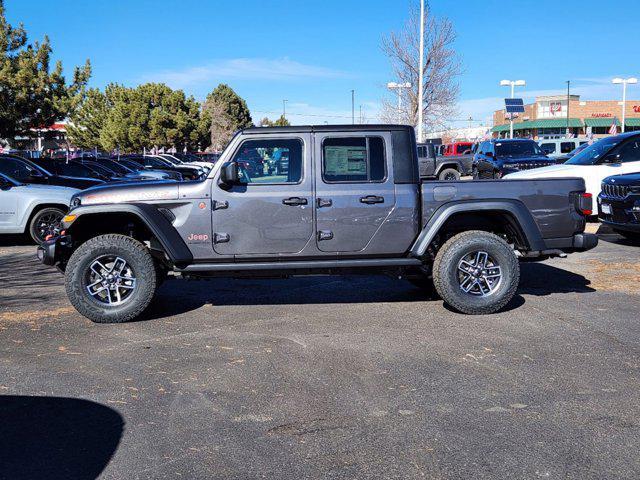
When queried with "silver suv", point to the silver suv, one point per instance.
{"points": [[33, 209]]}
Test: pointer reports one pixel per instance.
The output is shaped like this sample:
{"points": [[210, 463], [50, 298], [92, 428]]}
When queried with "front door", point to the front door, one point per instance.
{"points": [[271, 212], [354, 189], [8, 205]]}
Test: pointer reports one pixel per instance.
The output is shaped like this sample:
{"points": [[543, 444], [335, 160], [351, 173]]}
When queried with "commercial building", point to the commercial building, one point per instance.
{"points": [[547, 118], [461, 134]]}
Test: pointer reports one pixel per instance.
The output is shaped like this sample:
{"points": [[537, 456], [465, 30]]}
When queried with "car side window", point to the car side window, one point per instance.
{"points": [[629, 151], [15, 169], [270, 161], [353, 159], [566, 147]]}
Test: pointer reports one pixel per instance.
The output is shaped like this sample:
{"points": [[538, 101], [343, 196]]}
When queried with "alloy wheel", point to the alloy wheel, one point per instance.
{"points": [[110, 280], [479, 274]]}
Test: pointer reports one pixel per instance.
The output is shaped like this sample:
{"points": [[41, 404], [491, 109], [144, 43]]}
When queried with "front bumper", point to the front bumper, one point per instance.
{"points": [[621, 213], [55, 252]]}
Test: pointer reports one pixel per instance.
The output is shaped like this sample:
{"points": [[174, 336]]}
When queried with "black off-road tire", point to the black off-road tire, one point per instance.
{"points": [[35, 220], [445, 272], [135, 254], [449, 172]]}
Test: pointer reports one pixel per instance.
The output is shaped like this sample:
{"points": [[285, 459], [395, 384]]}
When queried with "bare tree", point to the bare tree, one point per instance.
{"points": [[222, 125], [441, 69]]}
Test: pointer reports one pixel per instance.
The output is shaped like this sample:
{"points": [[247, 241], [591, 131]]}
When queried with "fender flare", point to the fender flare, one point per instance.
{"points": [[516, 209], [171, 241]]}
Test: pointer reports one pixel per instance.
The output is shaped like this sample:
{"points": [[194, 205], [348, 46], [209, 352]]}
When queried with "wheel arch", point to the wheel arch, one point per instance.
{"points": [[41, 206], [141, 221], [506, 216]]}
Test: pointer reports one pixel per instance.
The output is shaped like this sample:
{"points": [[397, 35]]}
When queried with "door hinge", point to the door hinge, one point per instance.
{"points": [[219, 205], [325, 235], [220, 237]]}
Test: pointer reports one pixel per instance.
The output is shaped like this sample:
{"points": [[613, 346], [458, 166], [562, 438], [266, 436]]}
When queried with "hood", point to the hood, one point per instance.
{"points": [[51, 188], [561, 170], [630, 180], [129, 192]]}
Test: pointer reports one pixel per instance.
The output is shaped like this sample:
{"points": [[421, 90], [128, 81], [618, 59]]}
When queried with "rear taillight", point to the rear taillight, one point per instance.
{"points": [[585, 204]]}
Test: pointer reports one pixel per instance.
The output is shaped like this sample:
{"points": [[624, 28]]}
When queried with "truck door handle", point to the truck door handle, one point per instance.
{"points": [[371, 199], [295, 201], [324, 202]]}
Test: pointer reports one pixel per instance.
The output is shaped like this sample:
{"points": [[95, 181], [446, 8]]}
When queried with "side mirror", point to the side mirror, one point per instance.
{"points": [[229, 174]]}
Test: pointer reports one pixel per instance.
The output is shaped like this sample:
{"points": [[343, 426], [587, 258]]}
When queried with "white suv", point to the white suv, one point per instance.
{"points": [[609, 156]]}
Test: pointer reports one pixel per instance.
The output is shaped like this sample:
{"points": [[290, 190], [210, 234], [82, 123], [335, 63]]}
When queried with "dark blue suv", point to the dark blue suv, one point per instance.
{"points": [[619, 204], [499, 157]]}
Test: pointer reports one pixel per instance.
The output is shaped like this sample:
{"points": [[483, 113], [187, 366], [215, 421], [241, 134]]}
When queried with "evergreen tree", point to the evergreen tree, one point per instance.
{"points": [[31, 95], [226, 112]]}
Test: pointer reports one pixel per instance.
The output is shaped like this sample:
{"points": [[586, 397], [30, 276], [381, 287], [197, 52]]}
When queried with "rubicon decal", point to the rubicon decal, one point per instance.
{"points": [[198, 237]]}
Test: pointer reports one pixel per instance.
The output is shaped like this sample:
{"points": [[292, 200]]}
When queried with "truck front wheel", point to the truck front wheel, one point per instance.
{"points": [[476, 272], [111, 278], [449, 175]]}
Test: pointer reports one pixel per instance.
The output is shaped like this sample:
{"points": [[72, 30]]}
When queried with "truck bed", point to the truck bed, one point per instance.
{"points": [[549, 201]]}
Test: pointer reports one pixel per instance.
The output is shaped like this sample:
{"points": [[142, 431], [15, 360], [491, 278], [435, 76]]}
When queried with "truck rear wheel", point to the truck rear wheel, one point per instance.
{"points": [[44, 223], [111, 278], [476, 272], [449, 175]]}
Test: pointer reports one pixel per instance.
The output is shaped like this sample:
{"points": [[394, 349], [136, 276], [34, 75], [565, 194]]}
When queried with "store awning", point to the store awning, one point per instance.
{"points": [[600, 122], [632, 122], [542, 123]]}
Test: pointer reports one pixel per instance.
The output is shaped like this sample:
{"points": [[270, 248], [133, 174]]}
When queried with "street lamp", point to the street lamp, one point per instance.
{"points": [[624, 82], [512, 84], [399, 87]]}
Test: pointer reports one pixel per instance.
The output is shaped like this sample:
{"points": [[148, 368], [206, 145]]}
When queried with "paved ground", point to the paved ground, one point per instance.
{"points": [[357, 377]]}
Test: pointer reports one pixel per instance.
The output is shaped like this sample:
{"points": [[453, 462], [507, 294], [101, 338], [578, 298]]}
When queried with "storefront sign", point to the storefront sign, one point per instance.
{"points": [[602, 115], [636, 108]]}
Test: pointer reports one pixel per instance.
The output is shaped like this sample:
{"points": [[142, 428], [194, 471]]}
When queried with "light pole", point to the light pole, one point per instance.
{"points": [[624, 82], [284, 109], [399, 87], [353, 107], [512, 84], [420, 72]]}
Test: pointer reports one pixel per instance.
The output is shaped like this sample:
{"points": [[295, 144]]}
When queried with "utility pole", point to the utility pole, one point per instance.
{"points": [[399, 87], [360, 114], [420, 73], [353, 107], [284, 109]]}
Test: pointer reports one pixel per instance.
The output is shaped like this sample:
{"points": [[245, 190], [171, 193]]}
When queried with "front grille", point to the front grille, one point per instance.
{"points": [[615, 191], [529, 165]]}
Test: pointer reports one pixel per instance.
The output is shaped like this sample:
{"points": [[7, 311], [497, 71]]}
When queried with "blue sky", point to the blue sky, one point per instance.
{"points": [[314, 53]]}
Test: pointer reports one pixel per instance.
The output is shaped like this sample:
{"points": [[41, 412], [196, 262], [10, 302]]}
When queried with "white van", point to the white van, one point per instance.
{"points": [[557, 147]]}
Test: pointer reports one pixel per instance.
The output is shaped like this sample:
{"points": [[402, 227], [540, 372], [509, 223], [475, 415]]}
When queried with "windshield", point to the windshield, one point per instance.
{"points": [[591, 154], [116, 167], [518, 148], [171, 159]]}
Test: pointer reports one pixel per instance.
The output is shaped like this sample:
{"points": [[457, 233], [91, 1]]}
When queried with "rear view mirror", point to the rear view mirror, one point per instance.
{"points": [[229, 174]]}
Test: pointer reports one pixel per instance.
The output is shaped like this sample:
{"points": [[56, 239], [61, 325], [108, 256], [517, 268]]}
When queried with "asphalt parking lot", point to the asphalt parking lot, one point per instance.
{"points": [[326, 377]]}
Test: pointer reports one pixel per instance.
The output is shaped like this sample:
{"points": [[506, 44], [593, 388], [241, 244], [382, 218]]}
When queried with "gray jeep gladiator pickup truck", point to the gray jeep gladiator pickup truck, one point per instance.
{"points": [[350, 200]]}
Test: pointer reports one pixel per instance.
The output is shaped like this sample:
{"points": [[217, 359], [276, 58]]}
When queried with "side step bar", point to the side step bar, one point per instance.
{"points": [[373, 262]]}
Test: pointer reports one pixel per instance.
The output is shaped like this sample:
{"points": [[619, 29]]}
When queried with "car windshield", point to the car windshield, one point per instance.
{"points": [[157, 162], [518, 148], [595, 151], [171, 159], [115, 166]]}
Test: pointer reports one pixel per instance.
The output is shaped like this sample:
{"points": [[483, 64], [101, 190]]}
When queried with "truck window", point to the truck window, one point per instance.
{"points": [[353, 159], [272, 161], [566, 147], [548, 148]]}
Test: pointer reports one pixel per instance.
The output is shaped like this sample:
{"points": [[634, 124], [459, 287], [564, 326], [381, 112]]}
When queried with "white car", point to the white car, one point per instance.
{"points": [[614, 155], [33, 209]]}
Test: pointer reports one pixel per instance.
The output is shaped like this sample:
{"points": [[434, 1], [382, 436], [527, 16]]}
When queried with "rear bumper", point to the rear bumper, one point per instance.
{"points": [[580, 242]]}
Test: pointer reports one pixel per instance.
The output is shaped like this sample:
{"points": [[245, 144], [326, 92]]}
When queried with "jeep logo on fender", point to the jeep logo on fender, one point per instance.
{"points": [[195, 237]]}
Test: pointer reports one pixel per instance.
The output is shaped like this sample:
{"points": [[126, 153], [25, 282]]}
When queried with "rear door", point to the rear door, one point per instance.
{"points": [[271, 212], [354, 189]]}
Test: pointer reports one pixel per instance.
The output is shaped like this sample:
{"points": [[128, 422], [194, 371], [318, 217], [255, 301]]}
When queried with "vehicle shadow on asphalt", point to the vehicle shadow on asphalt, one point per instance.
{"points": [[176, 297], [56, 438], [16, 240]]}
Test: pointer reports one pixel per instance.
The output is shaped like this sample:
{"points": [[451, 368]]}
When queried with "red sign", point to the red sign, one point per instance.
{"points": [[636, 108], [555, 107], [602, 115]]}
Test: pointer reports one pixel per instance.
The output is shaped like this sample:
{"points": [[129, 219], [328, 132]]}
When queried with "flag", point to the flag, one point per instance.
{"points": [[614, 128]]}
